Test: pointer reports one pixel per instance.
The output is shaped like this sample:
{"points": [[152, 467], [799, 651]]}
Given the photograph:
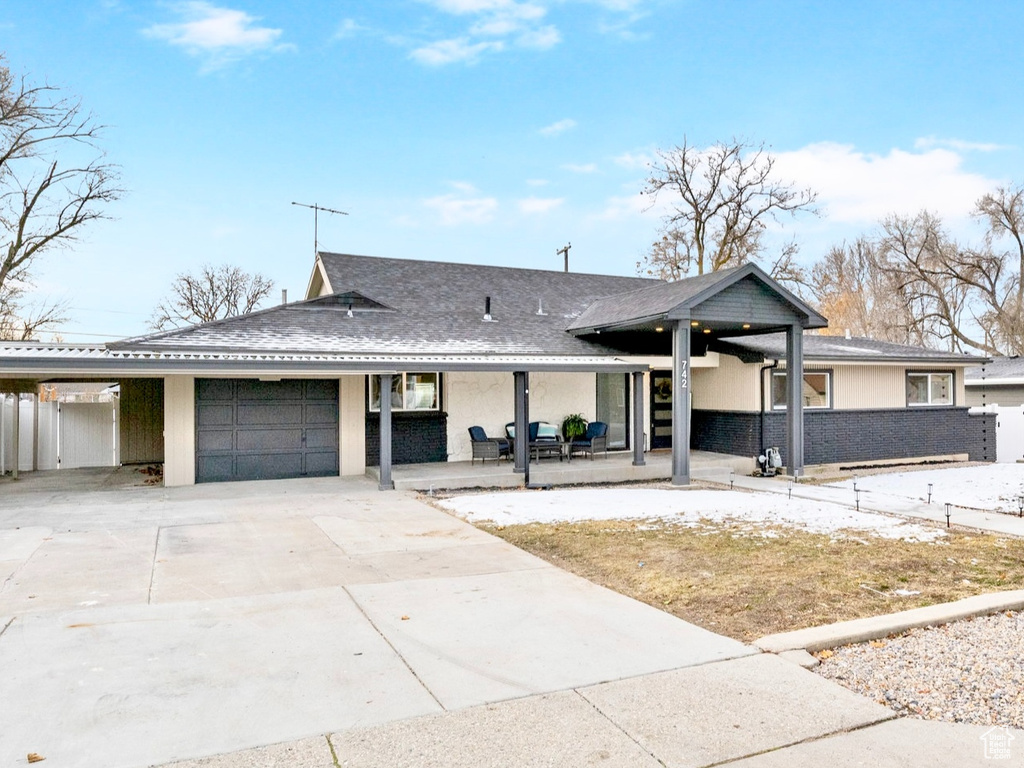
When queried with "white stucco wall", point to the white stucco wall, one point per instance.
{"points": [[352, 425], [179, 430], [488, 400]]}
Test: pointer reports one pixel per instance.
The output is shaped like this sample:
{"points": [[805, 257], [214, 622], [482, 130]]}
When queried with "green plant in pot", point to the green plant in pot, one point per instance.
{"points": [[574, 426]]}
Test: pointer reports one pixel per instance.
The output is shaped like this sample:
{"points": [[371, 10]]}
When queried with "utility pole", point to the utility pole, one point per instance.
{"points": [[316, 211], [565, 252]]}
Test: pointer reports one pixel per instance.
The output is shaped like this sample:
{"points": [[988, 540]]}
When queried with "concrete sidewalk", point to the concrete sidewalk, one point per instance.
{"points": [[344, 626]]}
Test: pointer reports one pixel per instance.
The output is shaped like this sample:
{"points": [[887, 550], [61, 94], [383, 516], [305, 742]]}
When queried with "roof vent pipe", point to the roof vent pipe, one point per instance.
{"points": [[847, 333], [284, 295], [487, 308]]}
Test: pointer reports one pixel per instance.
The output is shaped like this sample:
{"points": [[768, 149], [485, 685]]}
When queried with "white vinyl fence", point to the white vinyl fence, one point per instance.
{"points": [[70, 435]]}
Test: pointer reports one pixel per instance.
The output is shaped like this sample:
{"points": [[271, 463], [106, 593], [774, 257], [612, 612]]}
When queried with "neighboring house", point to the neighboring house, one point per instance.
{"points": [[295, 390], [997, 388], [999, 381]]}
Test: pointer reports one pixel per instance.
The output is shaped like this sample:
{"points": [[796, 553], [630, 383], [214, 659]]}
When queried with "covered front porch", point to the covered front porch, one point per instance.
{"points": [[615, 467]]}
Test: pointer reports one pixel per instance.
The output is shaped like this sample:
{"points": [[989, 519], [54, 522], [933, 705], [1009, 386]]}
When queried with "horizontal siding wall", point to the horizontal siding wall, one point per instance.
{"points": [[732, 386], [488, 400], [878, 386], [995, 395]]}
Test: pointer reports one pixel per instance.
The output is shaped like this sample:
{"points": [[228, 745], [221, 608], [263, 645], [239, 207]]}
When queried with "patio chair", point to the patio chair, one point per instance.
{"points": [[485, 447], [595, 439]]}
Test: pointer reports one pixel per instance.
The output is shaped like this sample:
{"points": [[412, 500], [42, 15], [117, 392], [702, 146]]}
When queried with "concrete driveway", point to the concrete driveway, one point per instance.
{"points": [[145, 625], [320, 623]]}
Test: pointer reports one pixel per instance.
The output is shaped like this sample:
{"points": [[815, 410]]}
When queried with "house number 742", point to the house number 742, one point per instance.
{"points": [[682, 376]]}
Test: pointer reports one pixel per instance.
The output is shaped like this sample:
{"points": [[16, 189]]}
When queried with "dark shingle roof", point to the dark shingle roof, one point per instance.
{"points": [[839, 348], [417, 307], [658, 300]]}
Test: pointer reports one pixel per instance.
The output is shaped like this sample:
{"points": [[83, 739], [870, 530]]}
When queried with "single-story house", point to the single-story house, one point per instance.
{"points": [[296, 389], [999, 381]]}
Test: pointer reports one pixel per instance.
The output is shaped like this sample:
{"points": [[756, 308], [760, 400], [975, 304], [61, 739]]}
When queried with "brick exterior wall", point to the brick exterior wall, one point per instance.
{"points": [[834, 437], [417, 438]]}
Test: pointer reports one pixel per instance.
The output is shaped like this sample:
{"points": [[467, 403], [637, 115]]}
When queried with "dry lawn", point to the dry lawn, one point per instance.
{"points": [[747, 586]]}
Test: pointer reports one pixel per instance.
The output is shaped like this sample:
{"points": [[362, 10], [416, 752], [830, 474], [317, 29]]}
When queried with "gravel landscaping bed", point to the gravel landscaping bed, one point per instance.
{"points": [[968, 671]]}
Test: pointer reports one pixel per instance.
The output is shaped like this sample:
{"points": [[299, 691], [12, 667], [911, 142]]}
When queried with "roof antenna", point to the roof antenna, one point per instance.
{"points": [[565, 252], [316, 211]]}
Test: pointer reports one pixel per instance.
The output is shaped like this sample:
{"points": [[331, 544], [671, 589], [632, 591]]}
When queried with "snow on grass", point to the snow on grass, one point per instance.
{"points": [[987, 486], [690, 508]]}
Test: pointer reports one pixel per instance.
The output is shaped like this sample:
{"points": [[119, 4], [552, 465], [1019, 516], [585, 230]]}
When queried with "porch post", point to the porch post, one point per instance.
{"points": [[386, 483], [681, 403], [16, 443], [638, 418], [795, 400], [522, 419]]}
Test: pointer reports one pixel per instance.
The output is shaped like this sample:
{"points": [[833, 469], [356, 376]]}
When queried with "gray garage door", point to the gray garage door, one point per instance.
{"points": [[257, 430]]}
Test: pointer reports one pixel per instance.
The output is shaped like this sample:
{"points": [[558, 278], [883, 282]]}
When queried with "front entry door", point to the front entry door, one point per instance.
{"points": [[661, 409]]}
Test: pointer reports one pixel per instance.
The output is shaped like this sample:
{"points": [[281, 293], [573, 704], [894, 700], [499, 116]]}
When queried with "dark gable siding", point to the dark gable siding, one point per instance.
{"points": [[749, 300]]}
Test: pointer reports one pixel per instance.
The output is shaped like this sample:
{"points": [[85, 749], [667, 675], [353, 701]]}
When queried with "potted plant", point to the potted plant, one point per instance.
{"points": [[573, 426]]}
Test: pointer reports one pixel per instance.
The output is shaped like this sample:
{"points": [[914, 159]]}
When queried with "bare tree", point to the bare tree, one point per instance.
{"points": [[53, 179], [212, 294], [857, 296], [722, 199], [914, 283]]}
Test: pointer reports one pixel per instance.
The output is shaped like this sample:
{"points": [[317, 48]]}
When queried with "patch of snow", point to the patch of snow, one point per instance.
{"points": [[987, 486], [688, 508]]}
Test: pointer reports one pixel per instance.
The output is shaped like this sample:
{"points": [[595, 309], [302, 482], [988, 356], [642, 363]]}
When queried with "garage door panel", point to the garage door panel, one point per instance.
{"points": [[214, 389], [268, 414], [250, 430], [215, 468], [289, 389], [215, 440], [323, 413], [321, 438], [275, 440], [215, 415], [322, 464], [322, 389], [268, 466]]}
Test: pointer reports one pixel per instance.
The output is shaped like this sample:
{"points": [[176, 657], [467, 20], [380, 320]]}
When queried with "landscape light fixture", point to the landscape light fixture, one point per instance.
{"points": [[948, 505], [732, 479], [857, 496], [1020, 506], [791, 487], [929, 493]]}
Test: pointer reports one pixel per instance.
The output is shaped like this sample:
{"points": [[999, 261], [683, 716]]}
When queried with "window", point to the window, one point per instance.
{"points": [[929, 388], [817, 392], [409, 392]]}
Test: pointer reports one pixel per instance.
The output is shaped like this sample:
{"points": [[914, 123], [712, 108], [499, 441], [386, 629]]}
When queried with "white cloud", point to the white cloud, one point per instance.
{"points": [[347, 28], [540, 204], [858, 187], [541, 39], [634, 160], [958, 145], [464, 206], [556, 128], [450, 51], [219, 34], [496, 26], [581, 168]]}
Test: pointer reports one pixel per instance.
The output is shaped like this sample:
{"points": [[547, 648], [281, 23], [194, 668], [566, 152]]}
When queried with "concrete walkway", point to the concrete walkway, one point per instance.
{"points": [[344, 626]]}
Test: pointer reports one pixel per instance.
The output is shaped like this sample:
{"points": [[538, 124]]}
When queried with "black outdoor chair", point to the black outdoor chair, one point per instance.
{"points": [[595, 439], [485, 447]]}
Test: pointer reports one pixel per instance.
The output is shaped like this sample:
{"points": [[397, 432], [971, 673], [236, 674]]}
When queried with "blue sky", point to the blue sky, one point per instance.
{"points": [[496, 131]]}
